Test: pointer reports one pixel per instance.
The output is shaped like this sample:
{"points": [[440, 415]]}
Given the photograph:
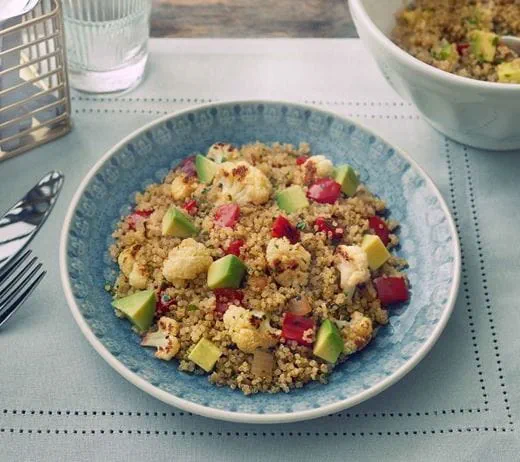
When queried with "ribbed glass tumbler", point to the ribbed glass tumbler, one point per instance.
{"points": [[107, 43]]}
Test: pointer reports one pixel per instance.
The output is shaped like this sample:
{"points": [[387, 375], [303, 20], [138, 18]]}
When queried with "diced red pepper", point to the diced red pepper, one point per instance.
{"points": [[227, 215], [324, 191], [234, 247], [282, 227], [187, 166], [462, 47], [379, 228], [301, 160], [391, 290], [164, 302], [191, 207], [324, 226], [295, 327], [136, 217], [226, 297]]}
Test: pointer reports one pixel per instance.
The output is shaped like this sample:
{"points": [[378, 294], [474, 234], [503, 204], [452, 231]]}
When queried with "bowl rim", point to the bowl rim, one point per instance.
{"points": [[244, 417], [406, 58]]}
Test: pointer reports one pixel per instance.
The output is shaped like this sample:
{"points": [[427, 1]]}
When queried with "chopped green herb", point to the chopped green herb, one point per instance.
{"points": [[301, 225], [166, 298], [192, 308], [495, 41], [205, 190]]}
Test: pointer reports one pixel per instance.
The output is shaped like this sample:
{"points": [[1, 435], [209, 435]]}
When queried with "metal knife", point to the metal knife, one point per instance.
{"points": [[21, 223]]}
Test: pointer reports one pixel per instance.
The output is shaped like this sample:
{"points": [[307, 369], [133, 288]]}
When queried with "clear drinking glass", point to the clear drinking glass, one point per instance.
{"points": [[107, 43]]}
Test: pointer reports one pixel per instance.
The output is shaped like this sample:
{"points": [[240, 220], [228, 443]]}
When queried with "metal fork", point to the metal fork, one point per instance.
{"points": [[17, 282]]}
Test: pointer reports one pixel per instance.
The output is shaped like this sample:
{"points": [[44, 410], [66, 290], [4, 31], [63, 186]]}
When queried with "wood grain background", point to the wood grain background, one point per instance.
{"points": [[251, 18]]}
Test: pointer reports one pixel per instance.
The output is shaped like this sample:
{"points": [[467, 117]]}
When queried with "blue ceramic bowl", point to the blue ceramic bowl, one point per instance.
{"points": [[429, 243]]}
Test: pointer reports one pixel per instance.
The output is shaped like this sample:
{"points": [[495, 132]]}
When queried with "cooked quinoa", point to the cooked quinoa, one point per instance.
{"points": [[302, 268], [462, 36]]}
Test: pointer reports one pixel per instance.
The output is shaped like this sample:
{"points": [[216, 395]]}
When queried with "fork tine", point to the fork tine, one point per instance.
{"points": [[12, 265], [7, 311], [11, 285]]}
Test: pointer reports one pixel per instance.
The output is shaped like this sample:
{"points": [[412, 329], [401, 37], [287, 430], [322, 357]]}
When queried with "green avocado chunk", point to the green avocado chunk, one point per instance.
{"points": [[329, 344], [347, 178], [139, 308], [205, 354], [226, 272], [509, 72], [177, 224], [443, 52], [292, 199], [483, 45], [206, 169]]}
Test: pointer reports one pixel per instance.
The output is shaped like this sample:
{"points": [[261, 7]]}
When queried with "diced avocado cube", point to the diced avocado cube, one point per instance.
{"points": [[347, 178], [292, 199], [443, 52], [376, 251], [483, 45], [226, 273], [206, 169], [177, 224], [205, 354], [329, 344], [509, 72], [139, 308]]}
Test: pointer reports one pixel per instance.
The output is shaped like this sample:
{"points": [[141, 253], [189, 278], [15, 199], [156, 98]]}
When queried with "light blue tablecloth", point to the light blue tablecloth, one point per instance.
{"points": [[60, 401]]}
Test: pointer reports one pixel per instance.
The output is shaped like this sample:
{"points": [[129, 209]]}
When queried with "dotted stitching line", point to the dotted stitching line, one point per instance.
{"points": [[173, 414], [483, 276], [156, 111], [209, 100], [247, 434], [465, 278]]}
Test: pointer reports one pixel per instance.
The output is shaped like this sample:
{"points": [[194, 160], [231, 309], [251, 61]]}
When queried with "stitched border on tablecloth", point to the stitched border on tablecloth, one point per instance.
{"points": [[175, 100], [65, 431], [161, 112], [483, 277]]}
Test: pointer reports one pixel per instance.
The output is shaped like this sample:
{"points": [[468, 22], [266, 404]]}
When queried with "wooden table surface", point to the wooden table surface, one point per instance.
{"points": [[251, 18]]}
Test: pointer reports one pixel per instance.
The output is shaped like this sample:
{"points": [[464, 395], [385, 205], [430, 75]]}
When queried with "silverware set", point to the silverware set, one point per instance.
{"points": [[20, 272]]}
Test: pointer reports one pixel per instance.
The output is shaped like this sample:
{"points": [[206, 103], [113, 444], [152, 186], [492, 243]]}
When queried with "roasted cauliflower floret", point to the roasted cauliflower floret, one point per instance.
{"points": [[249, 330], [223, 152], [241, 183], [357, 333], [289, 263], [182, 187], [164, 339], [317, 167], [137, 274], [352, 263], [186, 261]]}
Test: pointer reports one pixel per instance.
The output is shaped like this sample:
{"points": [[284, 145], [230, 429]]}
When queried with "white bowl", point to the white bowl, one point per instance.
{"points": [[481, 114]]}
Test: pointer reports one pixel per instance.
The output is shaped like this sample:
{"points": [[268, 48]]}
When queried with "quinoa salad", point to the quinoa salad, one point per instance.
{"points": [[462, 36], [263, 266]]}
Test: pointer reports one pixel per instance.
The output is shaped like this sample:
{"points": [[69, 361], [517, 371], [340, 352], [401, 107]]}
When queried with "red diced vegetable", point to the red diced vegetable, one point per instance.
{"points": [[226, 297], [282, 227], [301, 160], [297, 328], [191, 207], [187, 166], [462, 47], [378, 227], [324, 191], [164, 302], [137, 216], [331, 231], [391, 290], [234, 247], [227, 215]]}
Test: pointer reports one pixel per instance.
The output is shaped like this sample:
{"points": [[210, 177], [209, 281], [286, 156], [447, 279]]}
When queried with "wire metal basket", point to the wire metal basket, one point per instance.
{"points": [[34, 89]]}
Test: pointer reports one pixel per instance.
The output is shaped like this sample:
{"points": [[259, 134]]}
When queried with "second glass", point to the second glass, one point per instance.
{"points": [[107, 43]]}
